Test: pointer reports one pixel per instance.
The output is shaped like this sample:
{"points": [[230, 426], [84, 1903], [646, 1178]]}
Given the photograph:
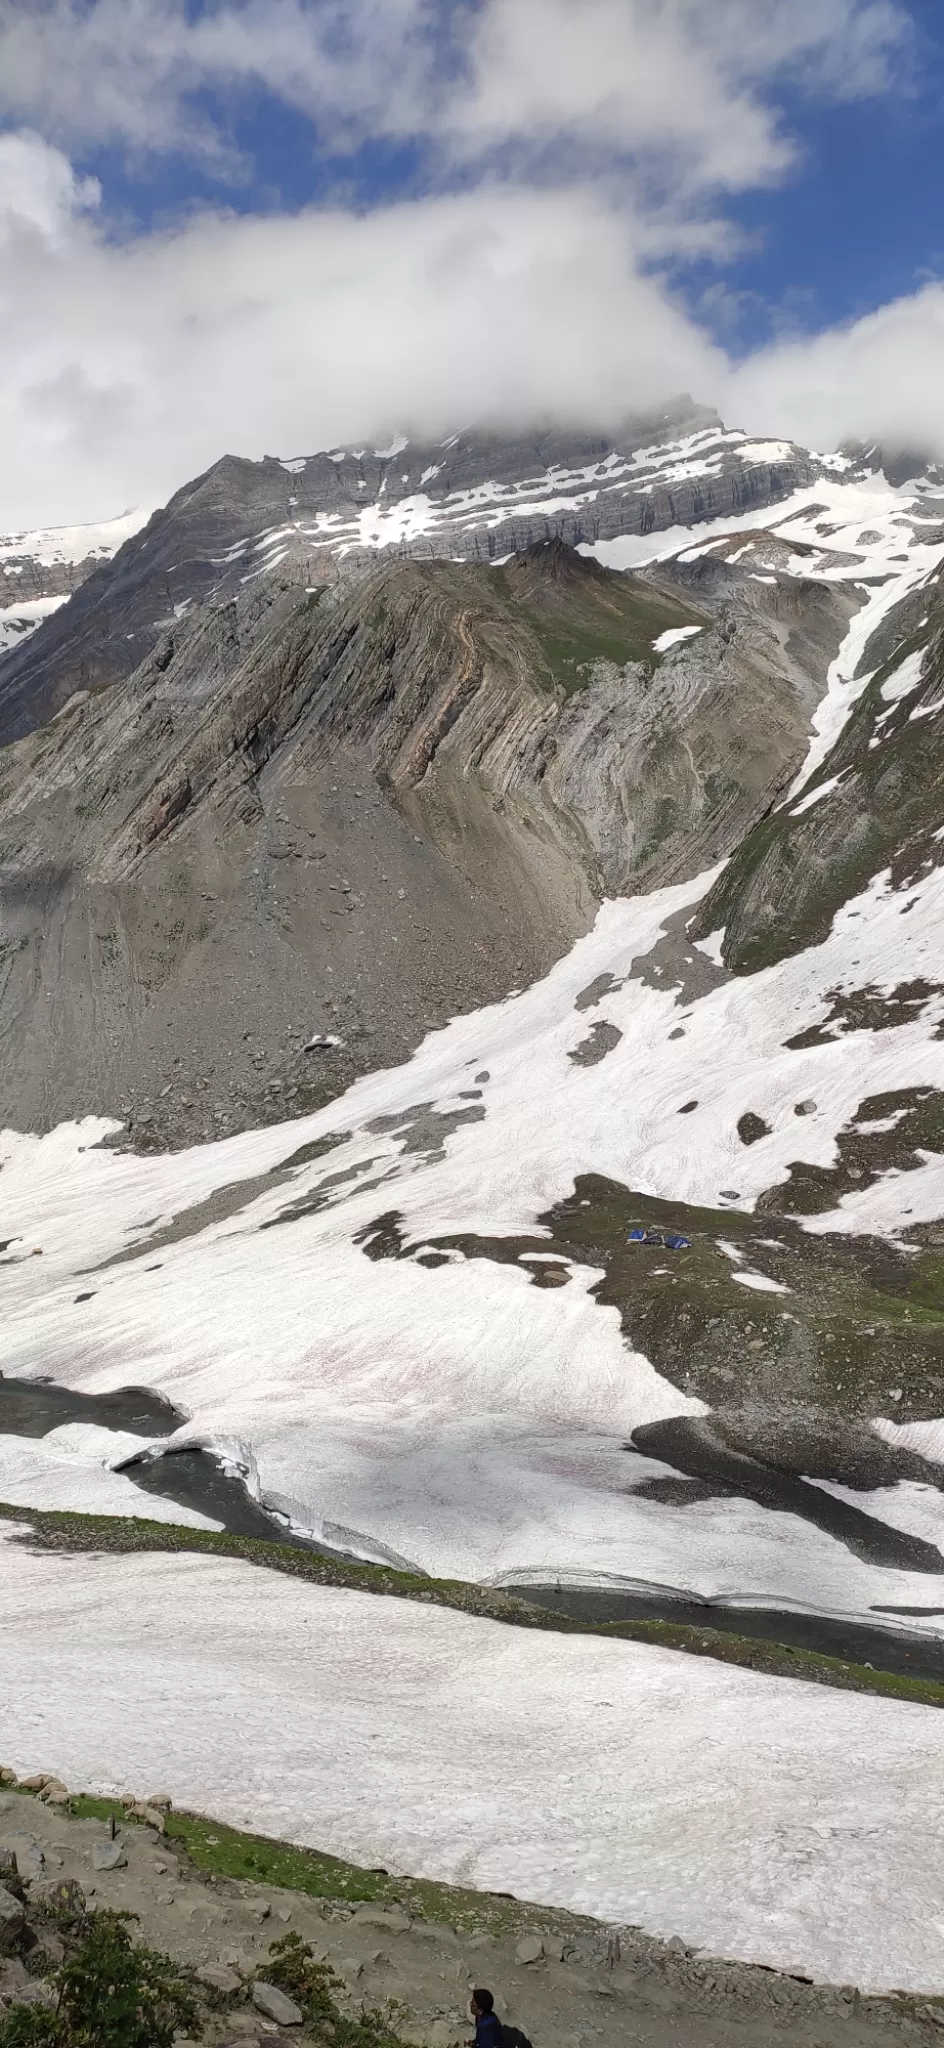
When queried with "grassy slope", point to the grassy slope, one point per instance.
{"points": [[581, 614]]}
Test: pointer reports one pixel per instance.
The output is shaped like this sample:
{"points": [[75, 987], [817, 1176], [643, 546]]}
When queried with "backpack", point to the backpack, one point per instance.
{"points": [[512, 2037]]}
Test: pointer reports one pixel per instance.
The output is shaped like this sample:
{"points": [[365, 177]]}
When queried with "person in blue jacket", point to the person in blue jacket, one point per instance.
{"points": [[488, 2033]]}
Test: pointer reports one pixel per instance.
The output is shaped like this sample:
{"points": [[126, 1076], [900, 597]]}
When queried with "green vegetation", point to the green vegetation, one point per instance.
{"points": [[581, 614], [293, 1968], [54, 1530], [111, 1993]]}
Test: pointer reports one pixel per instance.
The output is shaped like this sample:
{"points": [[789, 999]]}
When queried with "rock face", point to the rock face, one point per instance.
{"points": [[475, 498], [311, 824], [881, 807]]}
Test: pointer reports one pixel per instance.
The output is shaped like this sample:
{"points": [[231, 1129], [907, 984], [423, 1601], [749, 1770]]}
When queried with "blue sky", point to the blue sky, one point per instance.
{"points": [[267, 224], [856, 221]]}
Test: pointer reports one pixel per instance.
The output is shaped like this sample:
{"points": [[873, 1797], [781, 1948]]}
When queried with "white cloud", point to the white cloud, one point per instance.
{"points": [[879, 378], [678, 81], [682, 80], [124, 370], [594, 141]]}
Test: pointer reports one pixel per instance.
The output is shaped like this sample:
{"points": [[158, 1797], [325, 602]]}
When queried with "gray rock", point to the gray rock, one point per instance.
{"points": [[530, 1949], [11, 1918], [30, 1858], [39, 1991], [273, 2003], [392, 1918], [108, 1856], [218, 1977], [61, 1896]]}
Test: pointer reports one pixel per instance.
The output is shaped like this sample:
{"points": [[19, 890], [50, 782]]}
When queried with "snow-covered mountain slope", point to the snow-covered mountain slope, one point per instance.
{"points": [[477, 497], [40, 568], [453, 1312], [414, 1384], [19, 619], [754, 1817]]}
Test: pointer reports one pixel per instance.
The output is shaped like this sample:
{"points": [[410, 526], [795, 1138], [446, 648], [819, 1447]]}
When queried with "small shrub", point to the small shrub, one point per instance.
{"points": [[110, 1995], [292, 1966]]}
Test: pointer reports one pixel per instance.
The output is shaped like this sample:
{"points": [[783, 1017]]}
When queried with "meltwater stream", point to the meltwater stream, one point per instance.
{"points": [[195, 1479]]}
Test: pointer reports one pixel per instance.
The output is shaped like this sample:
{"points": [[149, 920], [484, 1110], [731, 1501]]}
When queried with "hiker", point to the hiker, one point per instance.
{"points": [[488, 2032]]}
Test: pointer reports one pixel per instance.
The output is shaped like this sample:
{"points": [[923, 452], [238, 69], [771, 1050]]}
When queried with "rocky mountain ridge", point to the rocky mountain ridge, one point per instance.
{"points": [[477, 497]]}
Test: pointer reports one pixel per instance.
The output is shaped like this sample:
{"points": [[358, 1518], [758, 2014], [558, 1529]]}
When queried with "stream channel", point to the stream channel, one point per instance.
{"points": [[195, 1479]]}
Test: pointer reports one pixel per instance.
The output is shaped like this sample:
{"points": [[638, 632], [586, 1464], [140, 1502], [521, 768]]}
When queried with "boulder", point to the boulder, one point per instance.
{"points": [[12, 1916], [530, 1949], [218, 1977], [273, 2003], [392, 1918], [61, 1896], [30, 1860], [108, 1856]]}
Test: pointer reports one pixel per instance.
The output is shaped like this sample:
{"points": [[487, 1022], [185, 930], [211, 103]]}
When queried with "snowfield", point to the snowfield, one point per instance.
{"points": [[756, 1817]]}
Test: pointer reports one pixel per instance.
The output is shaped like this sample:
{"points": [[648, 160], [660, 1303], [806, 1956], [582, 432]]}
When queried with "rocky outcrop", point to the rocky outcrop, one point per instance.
{"points": [[881, 806], [330, 821]]}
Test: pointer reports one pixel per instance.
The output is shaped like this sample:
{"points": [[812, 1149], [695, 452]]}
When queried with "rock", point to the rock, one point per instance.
{"points": [[392, 1918], [13, 1977], [108, 1856], [62, 1896], [806, 1108], [30, 1860], [530, 1949], [39, 1991], [678, 1946], [218, 1977], [12, 1916], [268, 1999]]}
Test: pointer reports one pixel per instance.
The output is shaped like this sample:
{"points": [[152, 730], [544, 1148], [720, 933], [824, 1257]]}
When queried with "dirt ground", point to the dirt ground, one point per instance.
{"points": [[583, 1986]]}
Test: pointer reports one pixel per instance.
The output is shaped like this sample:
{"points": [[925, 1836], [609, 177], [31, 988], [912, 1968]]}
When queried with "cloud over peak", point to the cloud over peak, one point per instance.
{"points": [[569, 156]]}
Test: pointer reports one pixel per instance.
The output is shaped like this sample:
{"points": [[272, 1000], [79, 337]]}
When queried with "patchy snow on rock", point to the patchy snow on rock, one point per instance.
{"points": [[52, 545], [904, 678], [17, 621], [816, 795], [673, 637]]}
